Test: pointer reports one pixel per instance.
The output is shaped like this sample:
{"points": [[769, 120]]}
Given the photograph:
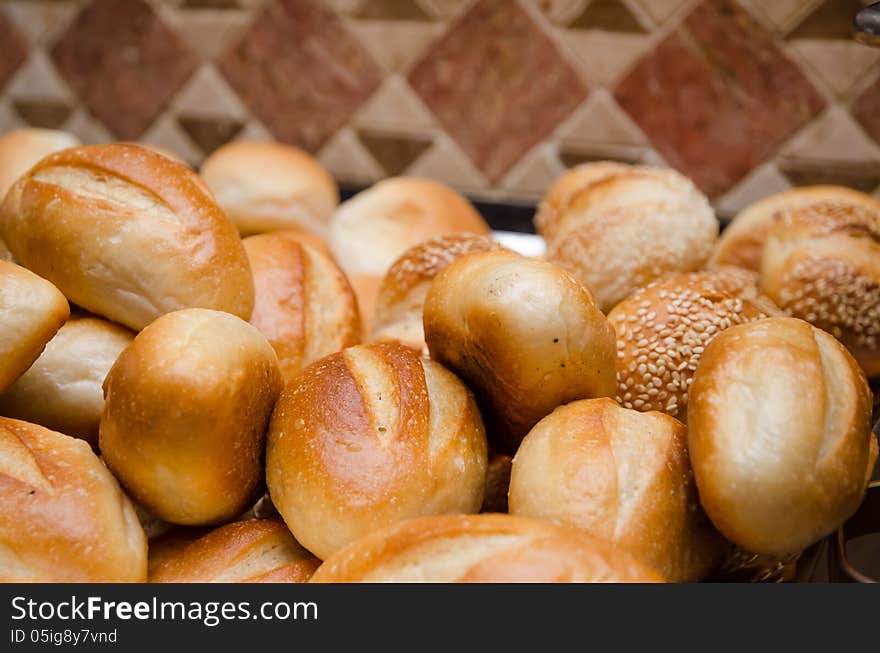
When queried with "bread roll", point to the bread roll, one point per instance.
{"points": [[186, 409], [63, 517], [523, 334], [373, 228], [254, 551], [742, 241], [821, 263], [127, 234], [366, 289], [401, 298], [303, 303], [31, 312], [662, 331], [368, 437], [62, 389], [266, 186], [779, 434], [623, 476], [482, 549], [20, 149], [629, 227]]}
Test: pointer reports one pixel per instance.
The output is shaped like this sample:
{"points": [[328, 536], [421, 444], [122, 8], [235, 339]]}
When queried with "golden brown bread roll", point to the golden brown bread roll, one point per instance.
{"points": [[821, 263], [373, 228], [186, 408], [523, 334], [366, 289], [266, 186], [63, 517], [401, 298], [482, 549], [253, 551], [31, 312], [663, 329], [779, 434], [742, 241], [623, 476], [62, 389], [127, 234], [368, 437], [22, 148], [303, 303], [627, 227]]}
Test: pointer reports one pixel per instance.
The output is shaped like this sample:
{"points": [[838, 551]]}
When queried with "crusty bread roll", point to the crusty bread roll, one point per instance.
{"points": [[22, 148], [401, 298], [186, 408], [623, 476], [779, 434], [62, 389], [127, 234], [63, 517], [628, 227], [368, 437], [303, 303], [31, 312], [266, 186], [742, 241], [253, 551], [523, 334], [663, 329], [373, 228], [482, 549], [821, 263]]}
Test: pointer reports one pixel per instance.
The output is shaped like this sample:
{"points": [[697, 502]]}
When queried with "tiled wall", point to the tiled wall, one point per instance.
{"points": [[495, 97]]}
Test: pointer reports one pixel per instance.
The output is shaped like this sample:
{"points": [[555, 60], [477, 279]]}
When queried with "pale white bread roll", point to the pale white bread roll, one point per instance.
{"points": [[623, 476], [742, 241], [523, 334], [31, 312], [368, 437], [663, 329], [20, 149], [779, 434], [486, 548], [821, 263], [62, 389], [63, 517], [303, 303], [266, 186], [185, 415], [127, 234], [630, 227], [401, 298], [373, 228], [252, 551]]}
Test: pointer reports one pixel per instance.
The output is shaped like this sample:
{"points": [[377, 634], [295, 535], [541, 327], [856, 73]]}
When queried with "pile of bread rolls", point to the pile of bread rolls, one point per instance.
{"points": [[229, 376]]}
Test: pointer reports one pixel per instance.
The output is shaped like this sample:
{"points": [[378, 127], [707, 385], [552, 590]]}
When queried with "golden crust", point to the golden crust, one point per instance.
{"points": [[368, 437], [127, 234], [22, 148], [31, 312], [523, 334], [663, 329], [63, 517], [779, 434], [482, 549], [252, 551], [623, 476], [303, 304], [186, 409], [62, 389]]}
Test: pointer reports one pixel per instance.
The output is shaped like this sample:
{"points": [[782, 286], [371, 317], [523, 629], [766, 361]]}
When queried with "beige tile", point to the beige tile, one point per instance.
{"points": [[833, 136], [444, 8], [345, 6], [396, 107], [8, 118], [781, 15], [600, 120], [395, 45], [602, 57], [761, 182], [167, 134], [662, 10], [254, 130], [209, 33], [207, 94], [446, 162], [38, 78], [561, 11], [348, 160], [534, 174], [41, 22], [837, 65], [89, 130]]}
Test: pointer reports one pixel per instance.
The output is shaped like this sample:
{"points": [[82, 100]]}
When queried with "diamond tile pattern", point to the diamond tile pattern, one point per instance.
{"points": [[495, 97], [497, 112]]}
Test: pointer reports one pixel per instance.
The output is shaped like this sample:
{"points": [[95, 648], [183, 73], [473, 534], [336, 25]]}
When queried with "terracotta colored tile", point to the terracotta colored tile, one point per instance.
{"points": [[394, 154], [609, 15], [717, 96], [866, 110], [300, 72], [48, 114], [497, 84], [13, 52], [124, 63]]}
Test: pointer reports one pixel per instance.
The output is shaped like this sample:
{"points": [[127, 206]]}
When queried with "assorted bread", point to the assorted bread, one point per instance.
{"points": [[207, 413]]}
